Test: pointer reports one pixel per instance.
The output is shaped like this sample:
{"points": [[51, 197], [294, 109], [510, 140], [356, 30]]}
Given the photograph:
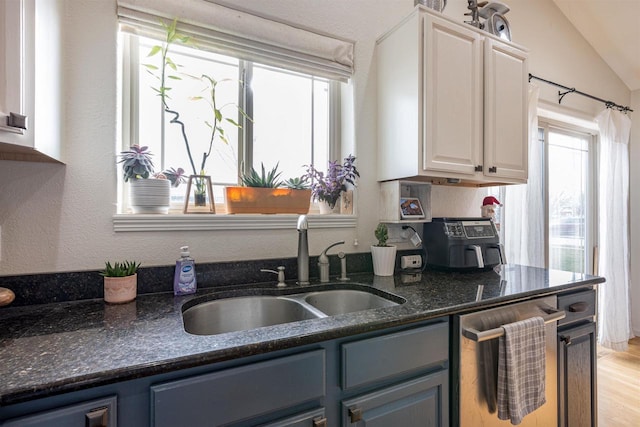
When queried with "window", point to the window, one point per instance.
{"points": [[557, 228], [571, 210], [290, 113]]}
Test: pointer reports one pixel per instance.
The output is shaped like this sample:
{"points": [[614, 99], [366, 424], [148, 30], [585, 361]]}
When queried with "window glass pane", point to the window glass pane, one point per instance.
{"points": [[290, 120], [568, 168], [196, 114]]}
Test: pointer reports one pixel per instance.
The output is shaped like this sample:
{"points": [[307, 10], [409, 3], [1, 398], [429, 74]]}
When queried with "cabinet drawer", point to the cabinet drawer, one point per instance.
{"points": [[239, 393], [102, 412], [578, 306], [378, 358]]}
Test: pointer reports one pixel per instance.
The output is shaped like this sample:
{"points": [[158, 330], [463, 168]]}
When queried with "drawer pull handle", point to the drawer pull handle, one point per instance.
{"points": [[98, 417], [355, 414], [566, 339], [579, 307], [320, 422]]}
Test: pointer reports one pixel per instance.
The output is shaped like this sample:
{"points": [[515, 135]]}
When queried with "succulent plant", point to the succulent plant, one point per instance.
{"points": [[176, 176], [264, 180], [120, 269], [298, 183], [382, 234], [136, 163]]}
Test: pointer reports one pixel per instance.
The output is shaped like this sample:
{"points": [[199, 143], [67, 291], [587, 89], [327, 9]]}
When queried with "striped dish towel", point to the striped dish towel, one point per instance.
{"points": [[521, 369]]}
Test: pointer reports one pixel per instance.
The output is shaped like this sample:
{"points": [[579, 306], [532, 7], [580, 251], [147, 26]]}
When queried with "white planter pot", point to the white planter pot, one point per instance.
{"points": [[384, 260], [325, 209], [118, 290], [150, 195]]}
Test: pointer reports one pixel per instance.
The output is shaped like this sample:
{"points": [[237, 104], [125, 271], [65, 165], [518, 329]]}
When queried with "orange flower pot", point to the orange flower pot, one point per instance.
{"points": [[243, 200]]}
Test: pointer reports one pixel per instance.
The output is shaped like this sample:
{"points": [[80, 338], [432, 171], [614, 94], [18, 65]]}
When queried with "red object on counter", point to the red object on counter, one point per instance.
{"points": [[490, 200]]}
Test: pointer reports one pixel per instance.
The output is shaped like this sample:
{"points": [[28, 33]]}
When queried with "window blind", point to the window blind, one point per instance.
{"points": [[227, 31]]}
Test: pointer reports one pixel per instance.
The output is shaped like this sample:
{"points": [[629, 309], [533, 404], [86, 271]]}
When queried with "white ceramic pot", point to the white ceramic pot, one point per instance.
{"points": [[384, 260], [118, 290], [325, 209], [150, 195]]}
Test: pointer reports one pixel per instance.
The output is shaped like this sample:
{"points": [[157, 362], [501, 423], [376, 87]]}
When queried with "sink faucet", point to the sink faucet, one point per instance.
{"points": [[303, 251], [323, 263]]}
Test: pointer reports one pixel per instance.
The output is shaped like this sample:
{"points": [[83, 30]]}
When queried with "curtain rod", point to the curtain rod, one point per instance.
{"points": [[569, 90]]}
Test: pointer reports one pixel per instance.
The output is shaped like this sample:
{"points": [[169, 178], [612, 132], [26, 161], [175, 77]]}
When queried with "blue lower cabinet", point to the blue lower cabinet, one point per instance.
{"points": [[315, 418], [420, 402], [95, 413], [240, 394]]}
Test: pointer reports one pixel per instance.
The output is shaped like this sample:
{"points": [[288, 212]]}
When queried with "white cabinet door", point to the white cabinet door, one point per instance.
{"points": [[452, 97], [505, 111], [34, 94]]}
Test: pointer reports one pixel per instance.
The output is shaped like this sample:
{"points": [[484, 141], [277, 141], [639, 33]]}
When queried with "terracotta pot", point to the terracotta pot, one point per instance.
{"points": [[384, 260], [241, 200], [118, 290]]}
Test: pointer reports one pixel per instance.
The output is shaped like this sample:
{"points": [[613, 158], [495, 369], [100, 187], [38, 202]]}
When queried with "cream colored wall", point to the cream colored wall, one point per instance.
{"points": [[59, 218]]}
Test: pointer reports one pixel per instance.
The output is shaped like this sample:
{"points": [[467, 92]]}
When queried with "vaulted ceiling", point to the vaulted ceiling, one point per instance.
{"points": [[612, 28]]}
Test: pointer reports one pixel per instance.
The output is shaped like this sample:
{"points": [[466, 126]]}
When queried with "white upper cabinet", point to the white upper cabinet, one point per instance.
{"points": [[452, 103], [30, 80]]}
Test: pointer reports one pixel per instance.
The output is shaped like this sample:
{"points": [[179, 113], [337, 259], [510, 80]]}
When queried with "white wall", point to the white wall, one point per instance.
{"points": [[634, 214], [55, 218]]}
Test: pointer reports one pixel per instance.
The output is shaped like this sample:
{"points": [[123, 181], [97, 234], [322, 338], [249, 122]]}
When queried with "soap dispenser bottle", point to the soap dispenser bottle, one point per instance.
{"points": [[184, 280]]}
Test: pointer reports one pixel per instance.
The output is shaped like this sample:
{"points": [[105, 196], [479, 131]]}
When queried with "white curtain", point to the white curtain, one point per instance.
{"points": [[614, 327], [522, 225]]}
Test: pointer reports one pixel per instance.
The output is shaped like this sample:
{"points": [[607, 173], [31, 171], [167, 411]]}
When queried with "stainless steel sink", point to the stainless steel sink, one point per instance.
{"points": [[244, 313], [342, 301]]}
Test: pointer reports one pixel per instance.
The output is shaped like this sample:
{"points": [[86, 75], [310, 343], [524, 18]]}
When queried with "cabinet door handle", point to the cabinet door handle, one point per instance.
{"points": [[566, 339], [355, 414], [493, 169], [479, 168], [98, 417], [578, 307], [320, 422]]}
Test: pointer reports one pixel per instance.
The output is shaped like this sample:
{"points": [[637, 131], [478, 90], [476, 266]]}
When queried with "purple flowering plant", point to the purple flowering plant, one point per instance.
{"points": [[327, 187]]}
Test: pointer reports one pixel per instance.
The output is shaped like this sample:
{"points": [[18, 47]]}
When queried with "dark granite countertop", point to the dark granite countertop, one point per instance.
{"points": [[55, 348]]}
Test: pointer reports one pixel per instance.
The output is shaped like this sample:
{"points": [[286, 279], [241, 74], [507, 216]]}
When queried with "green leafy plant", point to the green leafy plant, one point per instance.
{"points": [[120, 269], [169, 71], [298, 183], [382, 234], [263, 180]]}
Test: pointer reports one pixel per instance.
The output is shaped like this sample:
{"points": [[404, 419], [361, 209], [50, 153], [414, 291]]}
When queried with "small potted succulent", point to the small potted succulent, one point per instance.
{"points": [[327, 188], [265, 193], [383, 255], [120, 281], [149, 192]]}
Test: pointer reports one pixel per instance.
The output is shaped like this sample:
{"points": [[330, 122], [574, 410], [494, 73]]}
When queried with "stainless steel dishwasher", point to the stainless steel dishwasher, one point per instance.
{"points": [[475, 378]]}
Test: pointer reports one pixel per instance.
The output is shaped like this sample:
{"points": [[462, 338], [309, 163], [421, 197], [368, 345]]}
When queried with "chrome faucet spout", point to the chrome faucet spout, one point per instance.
{"points": [[303, 251], [323, 263]]}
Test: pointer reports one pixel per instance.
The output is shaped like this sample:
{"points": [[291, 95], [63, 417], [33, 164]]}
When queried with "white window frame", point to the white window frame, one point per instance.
{"points": [[591, 231], [123, 222]]}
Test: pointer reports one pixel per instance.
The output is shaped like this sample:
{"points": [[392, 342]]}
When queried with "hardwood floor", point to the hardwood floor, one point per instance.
{"points": [[619, 386]]}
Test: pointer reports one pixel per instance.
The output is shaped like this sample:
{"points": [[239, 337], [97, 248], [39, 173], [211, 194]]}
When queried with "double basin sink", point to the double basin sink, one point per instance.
{"points": [[218, 316]]}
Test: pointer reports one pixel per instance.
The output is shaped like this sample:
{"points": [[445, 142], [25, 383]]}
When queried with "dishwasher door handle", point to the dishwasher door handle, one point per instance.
{"points": [[479, 336]]}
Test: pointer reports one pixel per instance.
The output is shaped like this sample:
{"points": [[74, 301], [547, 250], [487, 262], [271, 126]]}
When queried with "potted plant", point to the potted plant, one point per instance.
{"points": [[383, 255], [120, 281], [327, 188], [167, 71], [265, 193], [149, 192]]}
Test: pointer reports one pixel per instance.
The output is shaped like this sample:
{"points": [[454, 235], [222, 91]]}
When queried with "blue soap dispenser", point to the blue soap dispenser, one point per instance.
{"points": [[184, 280]]}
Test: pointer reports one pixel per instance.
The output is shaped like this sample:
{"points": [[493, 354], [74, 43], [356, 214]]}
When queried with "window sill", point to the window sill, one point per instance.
{"points": [[200, 222]]}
